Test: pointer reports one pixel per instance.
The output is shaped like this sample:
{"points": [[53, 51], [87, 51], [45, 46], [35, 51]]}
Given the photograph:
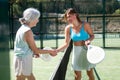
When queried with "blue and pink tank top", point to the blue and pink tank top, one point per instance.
{"points": [[81, 36]]}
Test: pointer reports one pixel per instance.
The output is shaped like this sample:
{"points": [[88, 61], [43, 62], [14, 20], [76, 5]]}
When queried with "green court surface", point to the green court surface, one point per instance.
{"points": [[108, 69]]}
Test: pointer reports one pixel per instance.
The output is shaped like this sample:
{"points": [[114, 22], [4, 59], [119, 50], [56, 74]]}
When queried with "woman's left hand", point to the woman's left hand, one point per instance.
{"points": [[36, 55], [87, 42]]}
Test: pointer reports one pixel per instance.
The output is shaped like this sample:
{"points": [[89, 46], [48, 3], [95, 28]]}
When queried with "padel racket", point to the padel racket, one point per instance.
{"points": [[46, 57], [95, 54]]}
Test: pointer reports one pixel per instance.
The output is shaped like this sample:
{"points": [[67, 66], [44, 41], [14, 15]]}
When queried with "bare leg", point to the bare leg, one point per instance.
{"points": [[31, 77], [77, 75], [90, 74], [20, 77]]}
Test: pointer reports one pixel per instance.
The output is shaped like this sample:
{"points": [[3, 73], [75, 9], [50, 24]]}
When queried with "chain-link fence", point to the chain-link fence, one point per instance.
{"points": [[106, 28]]}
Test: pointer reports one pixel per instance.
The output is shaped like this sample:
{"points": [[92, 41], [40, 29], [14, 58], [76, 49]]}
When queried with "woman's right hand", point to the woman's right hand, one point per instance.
{"points": [[53, 52]]}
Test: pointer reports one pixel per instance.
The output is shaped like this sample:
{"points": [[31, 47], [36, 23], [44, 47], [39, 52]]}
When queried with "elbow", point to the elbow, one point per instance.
{"points": [[92, 36], [67, 42], [66, 45]]}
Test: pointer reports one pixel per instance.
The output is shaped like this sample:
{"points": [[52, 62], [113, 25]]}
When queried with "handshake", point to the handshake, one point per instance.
{"points": [[47, 56]]}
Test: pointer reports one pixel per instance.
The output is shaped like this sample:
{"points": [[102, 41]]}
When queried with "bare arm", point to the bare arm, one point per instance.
{"points": [[31, 42], [90, 32], [67, 40]]}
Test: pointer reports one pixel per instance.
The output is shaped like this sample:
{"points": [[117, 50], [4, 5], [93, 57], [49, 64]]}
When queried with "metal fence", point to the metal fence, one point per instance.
{"points": [[51, 27], [106, 28]]}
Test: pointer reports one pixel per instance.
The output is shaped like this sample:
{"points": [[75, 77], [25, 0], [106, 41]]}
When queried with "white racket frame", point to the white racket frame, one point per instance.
{"points": [[95, 54]]}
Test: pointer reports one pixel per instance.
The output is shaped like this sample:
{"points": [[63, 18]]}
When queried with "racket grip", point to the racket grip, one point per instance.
{"points": [[89, 47], [87, 42]]}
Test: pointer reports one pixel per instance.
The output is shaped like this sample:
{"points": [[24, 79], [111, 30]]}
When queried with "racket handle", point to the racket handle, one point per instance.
{"points": [[89, 47]]}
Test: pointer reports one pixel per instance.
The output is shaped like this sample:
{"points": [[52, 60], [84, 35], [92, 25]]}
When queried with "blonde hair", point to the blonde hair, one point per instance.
{"points": [[29, 15]]}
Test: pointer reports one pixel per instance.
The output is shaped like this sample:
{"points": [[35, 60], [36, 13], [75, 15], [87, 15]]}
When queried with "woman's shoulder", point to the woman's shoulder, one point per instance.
{"points": [[87, 26], [85, 23], [69, 26]]}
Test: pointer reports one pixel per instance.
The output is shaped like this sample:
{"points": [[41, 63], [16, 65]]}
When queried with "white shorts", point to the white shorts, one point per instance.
{"points": [[23, 65]]}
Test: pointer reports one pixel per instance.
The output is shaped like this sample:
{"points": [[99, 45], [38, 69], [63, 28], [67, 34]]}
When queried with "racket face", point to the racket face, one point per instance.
{"points": [[95, 54], [46, 57]]}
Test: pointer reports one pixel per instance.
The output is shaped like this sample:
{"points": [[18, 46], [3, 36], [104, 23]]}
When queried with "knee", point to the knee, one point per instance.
{"points": [[90, 73], [20, 77], [31, 77], [78, 75]]}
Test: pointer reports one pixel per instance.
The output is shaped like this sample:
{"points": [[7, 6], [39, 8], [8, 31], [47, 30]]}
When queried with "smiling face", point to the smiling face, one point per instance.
{"points": [[70, 18]]}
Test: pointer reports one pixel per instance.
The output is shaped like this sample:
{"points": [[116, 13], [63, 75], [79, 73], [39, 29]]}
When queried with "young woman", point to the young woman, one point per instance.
{"points": [[25, 47], [82, 35]]}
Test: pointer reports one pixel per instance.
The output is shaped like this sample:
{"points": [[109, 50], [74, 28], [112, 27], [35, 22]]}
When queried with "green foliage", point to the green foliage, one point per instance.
{"points": [[83, 6], [117, 11], [111, 6]]}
